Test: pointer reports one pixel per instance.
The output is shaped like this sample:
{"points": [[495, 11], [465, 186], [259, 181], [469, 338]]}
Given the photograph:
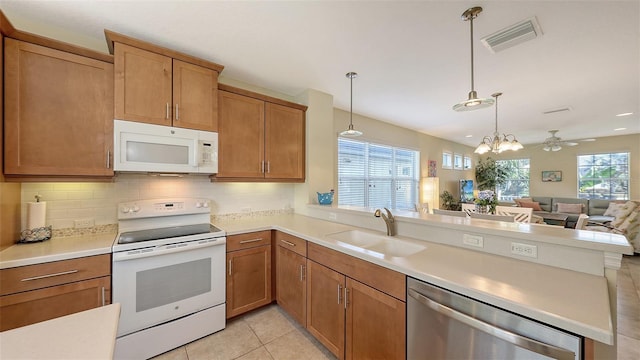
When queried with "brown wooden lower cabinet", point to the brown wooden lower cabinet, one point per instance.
{"points": [[353, 320], [33, 306], [292, 283], [248, 272]]}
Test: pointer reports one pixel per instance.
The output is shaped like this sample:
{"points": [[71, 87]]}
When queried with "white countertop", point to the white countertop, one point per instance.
{"points": [[89, 334], [569, 300], [56, 249]]}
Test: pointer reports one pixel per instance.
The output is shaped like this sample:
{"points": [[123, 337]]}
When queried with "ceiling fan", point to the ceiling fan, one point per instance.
{"points": [[555, 143]]}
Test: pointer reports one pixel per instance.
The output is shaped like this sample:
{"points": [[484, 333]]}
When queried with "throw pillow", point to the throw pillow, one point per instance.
{"points": [[623, 212], [518, 201], [531, 204], [613, 209], [569, 208], [631, 225]]}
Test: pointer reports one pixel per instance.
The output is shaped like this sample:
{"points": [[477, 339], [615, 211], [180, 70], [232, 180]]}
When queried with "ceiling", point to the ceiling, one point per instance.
{"points": [[413, 58]]}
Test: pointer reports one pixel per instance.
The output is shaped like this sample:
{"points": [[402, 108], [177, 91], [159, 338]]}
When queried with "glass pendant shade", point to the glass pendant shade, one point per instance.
{"points": [[496, 144], [351, 132]]}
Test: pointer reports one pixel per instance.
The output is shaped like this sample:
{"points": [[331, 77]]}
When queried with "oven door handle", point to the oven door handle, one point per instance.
{"points": [[166, 249], [513, 338]]}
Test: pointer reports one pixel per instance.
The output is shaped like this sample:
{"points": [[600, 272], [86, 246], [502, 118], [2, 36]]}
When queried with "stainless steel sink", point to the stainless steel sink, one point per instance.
{"points": [[376, 244]]}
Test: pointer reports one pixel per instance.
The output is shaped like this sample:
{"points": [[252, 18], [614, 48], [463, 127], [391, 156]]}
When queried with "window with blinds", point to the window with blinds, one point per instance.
{"points": [[373, 175]]}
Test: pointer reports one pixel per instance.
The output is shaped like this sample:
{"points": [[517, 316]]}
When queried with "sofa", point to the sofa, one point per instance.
{"points": [[615, 216]]}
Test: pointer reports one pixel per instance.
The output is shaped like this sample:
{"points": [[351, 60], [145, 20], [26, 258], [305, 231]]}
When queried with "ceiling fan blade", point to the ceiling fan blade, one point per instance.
{"points": [[570, 143]]}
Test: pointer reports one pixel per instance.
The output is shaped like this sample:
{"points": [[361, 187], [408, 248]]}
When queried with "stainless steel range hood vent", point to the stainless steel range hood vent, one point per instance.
{"points": [[512, 35]]}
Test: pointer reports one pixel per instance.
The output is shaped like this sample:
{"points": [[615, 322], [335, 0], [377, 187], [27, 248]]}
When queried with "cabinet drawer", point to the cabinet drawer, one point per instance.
{"points": [[38, 276], [33, 306], [292, 243], [248, 240], [376, 276]]}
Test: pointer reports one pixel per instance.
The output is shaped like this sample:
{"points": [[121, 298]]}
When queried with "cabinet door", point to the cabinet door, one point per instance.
{"points": [[195, 97], [241, 136], [248, 279], [292, 283], [285, 145], [142, 85], [58, 112], [33, 306], [375, 324], [326, 307]]}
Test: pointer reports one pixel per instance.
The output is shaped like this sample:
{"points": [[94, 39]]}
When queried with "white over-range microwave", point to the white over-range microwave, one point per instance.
{"points": [[141, 147]]}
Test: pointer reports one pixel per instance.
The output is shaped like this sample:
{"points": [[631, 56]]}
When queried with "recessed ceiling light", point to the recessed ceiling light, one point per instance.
{"points": [[619, 129], [624, 114], [468, 136]]}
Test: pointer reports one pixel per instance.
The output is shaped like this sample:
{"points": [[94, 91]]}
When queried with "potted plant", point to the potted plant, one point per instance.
{"points": [[490, 174], [448, 201], [486, 202]]}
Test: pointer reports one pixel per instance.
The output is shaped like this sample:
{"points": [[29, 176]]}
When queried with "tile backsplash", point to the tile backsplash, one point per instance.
{"points": [[67, 202]]}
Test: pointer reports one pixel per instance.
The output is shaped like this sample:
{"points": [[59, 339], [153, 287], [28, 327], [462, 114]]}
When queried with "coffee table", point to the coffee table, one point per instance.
{"points": [[555, 219]]}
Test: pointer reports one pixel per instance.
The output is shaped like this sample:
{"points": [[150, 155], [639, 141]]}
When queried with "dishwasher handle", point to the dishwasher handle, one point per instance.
{"points": [[515, 339]]}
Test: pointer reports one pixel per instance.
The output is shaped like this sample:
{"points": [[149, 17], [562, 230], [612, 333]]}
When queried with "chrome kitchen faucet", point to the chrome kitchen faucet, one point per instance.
{"points": [[389, 220]]}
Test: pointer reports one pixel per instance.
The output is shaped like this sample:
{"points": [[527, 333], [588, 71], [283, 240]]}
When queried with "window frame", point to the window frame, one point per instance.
{"points": [[403, 189], [447, 160], [520, 170], [603, 168]]}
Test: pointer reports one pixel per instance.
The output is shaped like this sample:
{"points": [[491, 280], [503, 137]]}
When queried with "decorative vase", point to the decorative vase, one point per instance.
{"points": [[482, 209]]}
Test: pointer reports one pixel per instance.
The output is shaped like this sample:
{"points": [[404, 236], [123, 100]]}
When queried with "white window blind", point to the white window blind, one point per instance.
{"points": [[373, 175]]}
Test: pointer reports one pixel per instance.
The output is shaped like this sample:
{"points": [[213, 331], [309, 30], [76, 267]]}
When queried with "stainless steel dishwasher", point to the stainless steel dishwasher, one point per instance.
{"points": [[445, 325]]}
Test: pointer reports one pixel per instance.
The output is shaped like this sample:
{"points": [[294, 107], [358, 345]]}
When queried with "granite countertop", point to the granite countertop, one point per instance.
{"points": [[89, 334], [56, 249]]}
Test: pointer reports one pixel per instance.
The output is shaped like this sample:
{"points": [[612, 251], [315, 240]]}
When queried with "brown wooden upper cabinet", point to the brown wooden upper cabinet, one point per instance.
{"points": [[157, 89], [261, 138], [58, 112]]}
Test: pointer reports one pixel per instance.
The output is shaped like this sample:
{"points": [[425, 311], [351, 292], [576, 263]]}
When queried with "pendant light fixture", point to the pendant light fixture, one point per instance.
{"points": [[496, 144], [351, 132], [473, 102]]}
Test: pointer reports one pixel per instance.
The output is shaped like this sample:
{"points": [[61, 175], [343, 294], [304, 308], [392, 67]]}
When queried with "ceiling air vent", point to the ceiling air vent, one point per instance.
{"points": [[512, 35]]}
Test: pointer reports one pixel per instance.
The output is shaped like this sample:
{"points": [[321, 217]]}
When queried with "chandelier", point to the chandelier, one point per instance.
{"points": [[497, 144]]}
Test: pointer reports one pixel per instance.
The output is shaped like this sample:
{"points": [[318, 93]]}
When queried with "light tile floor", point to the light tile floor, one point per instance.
{"points": [[264, 334], [270, 334]]}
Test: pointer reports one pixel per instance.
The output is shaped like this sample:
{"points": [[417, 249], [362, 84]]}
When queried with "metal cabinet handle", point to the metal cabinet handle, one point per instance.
{"points": [[167, 114], [301, 272], [513, 338], [108, 159], [339, 294], [50, 275], [346, 297], [262, 166], [230, 264], [103, 298], [177, 113], [268, 167], [250, 241], [287, 242]]}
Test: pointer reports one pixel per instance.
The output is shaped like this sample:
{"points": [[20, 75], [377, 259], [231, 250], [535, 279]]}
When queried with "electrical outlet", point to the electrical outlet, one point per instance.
{"points": [[83, 223], [524, 250], [333, 216], [473, 240]]}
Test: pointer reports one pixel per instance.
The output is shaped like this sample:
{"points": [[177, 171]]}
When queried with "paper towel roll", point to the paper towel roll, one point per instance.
{"points": [[36, 214]]}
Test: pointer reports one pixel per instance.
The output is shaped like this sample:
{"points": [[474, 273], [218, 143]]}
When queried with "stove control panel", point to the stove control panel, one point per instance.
{"points": [[162, 207]]}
